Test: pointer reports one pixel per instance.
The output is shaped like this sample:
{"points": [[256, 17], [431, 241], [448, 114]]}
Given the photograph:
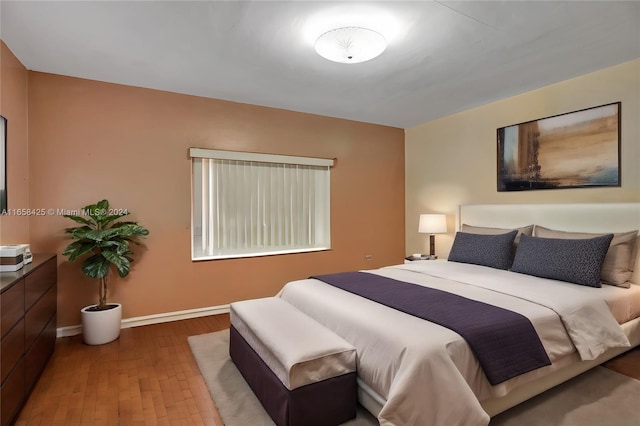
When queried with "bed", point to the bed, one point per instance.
{"points": [[412, 371]]}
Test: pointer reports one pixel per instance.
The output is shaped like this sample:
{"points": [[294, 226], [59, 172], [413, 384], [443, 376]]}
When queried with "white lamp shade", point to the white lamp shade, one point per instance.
{"points": [[432, 224], [350, 45]]}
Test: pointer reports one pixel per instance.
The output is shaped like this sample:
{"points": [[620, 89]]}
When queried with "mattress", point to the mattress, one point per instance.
{"points": [[623, 302]]}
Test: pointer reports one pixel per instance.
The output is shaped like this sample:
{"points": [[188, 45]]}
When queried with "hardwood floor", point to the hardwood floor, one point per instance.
{"points": [[627, 363], [147, 377]]}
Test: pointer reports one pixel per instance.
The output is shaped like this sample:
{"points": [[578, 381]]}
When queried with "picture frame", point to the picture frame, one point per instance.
{"points": [[579, 149], [3, 165]]}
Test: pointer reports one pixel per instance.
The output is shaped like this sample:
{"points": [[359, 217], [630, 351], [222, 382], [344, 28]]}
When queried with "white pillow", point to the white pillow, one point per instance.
{"points": [[469, 229]]}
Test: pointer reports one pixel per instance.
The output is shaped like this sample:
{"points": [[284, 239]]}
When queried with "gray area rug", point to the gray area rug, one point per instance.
{"points": [[599, 397]]}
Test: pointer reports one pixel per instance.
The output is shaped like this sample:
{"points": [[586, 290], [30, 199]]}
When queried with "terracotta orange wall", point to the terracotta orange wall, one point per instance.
{"points": [[13, 106], [90, 140]]}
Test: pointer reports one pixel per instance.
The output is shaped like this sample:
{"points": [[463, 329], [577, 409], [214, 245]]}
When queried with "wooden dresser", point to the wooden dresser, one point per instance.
{"points": [[28, 306]]}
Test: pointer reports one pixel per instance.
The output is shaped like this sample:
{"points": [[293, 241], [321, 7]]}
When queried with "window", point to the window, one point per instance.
{"points": [[246, 204]]}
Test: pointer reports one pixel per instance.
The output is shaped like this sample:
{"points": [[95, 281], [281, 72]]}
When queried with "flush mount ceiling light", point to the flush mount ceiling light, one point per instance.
{"points": [[350, 45]]}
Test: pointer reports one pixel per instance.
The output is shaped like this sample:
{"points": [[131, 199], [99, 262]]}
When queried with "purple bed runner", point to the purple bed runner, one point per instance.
{"points": [[505, 342]]}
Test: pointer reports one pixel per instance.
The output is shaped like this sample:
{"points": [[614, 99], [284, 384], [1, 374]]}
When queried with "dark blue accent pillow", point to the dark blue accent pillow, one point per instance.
{"points": [[495, 251], [574, 261]]}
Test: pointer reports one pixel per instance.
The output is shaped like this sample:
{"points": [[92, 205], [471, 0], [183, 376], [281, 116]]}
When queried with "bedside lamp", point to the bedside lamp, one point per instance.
{"points": [[432, 224]]}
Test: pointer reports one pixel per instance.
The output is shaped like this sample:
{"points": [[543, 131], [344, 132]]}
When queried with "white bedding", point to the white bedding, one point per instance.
{"points": [[623, 302], [426, 373]]}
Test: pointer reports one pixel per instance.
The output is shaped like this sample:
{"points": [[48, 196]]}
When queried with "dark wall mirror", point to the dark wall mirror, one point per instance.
{"points": [[3, 165]]}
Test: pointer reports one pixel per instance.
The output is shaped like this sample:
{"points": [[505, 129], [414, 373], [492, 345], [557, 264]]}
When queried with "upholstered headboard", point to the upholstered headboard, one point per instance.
{"points": [[601, 217]]}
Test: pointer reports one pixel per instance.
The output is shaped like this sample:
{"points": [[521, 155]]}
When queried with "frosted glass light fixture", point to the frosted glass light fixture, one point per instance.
{"points": [[432, 224], [350, 45]]}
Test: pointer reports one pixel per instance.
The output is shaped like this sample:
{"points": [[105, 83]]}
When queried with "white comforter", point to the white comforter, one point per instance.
{"points": [[426, 373]]}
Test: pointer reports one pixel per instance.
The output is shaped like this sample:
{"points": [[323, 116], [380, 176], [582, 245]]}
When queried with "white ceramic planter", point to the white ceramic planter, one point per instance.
{"points": [[99, 327]]}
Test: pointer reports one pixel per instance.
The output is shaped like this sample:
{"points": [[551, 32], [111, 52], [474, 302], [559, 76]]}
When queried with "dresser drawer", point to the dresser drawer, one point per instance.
{"points": [[41, 350], [11, 307], [28, 306], [12, 394], [12, 349], [39, 315], [38, 282]]}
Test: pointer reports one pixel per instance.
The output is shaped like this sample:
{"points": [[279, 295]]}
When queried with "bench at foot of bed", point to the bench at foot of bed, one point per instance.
{"points": [[302, 373]]}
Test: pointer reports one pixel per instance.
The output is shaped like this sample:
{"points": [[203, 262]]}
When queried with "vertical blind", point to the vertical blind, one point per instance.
{"points": [[255, 204]]}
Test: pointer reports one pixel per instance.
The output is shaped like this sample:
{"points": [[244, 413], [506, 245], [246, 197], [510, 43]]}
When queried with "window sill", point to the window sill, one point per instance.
{"points": [[258, 254]]}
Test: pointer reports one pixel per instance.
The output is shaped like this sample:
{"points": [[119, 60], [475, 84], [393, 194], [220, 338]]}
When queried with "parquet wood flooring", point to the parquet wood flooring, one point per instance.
{"points": [[627, 363], [146, 377]]}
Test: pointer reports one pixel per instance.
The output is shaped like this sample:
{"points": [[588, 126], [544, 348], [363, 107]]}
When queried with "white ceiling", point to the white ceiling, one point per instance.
{"points": [[443, 57]]}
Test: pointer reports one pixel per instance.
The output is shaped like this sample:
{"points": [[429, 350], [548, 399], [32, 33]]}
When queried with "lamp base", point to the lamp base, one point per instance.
{"points": [[432, 246]]}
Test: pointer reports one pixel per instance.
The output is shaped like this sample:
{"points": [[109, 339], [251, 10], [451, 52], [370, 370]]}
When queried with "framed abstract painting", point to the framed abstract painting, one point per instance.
{"points": [[574, 150]]}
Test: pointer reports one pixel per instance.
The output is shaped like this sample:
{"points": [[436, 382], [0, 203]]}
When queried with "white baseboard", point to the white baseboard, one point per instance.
{"points": [[73, 330]]}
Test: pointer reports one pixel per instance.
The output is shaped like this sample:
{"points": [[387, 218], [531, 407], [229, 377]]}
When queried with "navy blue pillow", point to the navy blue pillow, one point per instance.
{"points": [[574, 261], [495, 251]]}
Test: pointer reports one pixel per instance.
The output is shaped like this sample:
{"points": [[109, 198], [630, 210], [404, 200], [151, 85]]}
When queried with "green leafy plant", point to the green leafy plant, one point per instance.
{"points": [[106, 241]]}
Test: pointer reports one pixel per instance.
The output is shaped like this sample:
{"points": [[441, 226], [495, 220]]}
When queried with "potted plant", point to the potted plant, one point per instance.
{"points": [[103, 241]]}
